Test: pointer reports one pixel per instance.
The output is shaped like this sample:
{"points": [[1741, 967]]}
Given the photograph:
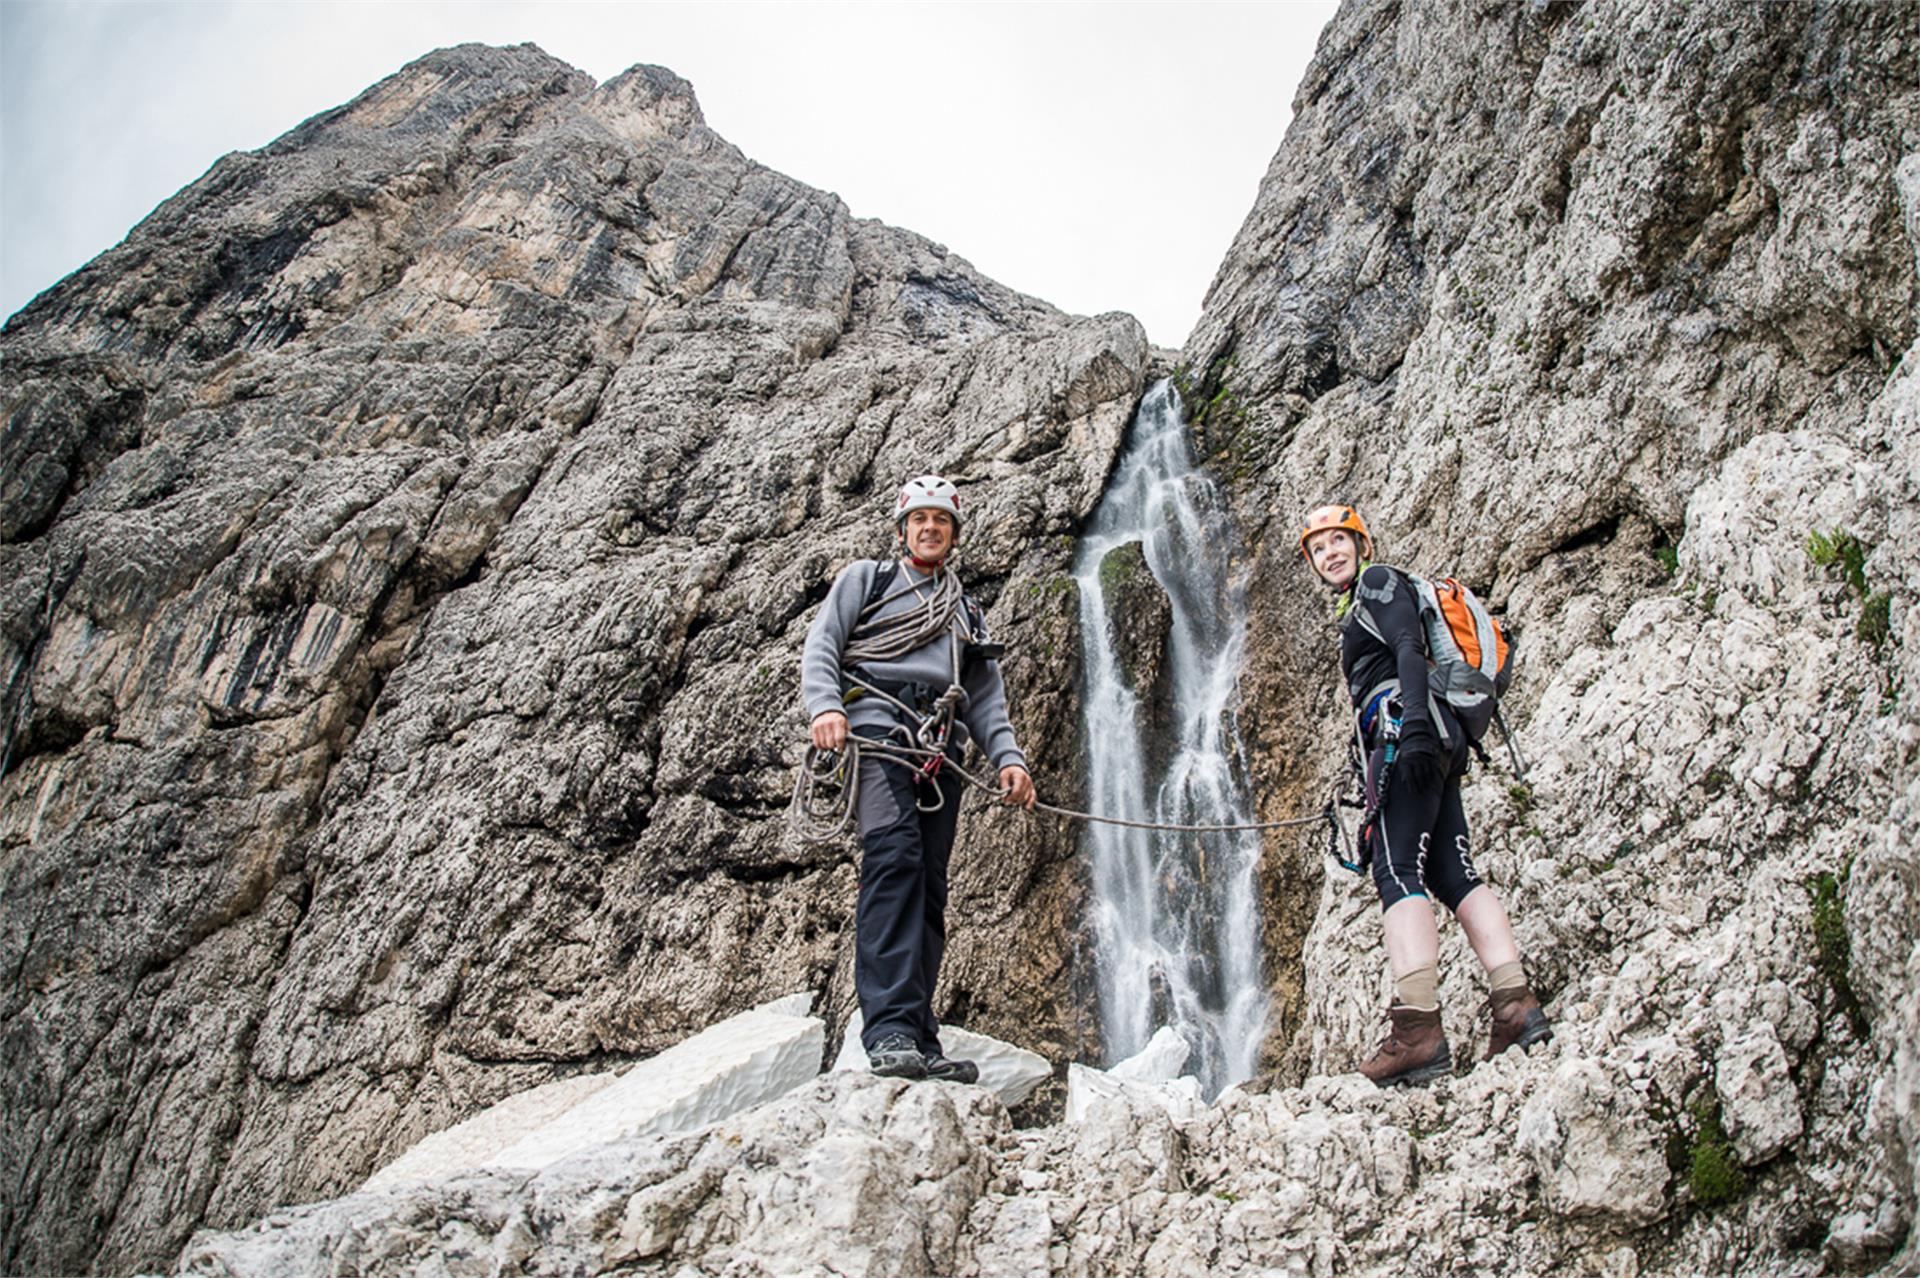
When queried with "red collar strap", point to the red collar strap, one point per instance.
{"points": [[924, 565]]}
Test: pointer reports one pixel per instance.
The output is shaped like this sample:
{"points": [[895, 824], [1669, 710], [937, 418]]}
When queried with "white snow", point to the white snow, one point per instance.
{"points": [[1087, 1086], [1164, 1056], [742, 1061]]}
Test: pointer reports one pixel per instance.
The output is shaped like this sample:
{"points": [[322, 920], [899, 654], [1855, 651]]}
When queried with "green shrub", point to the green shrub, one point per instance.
{"points": [[1840, 549], [1833, 951], [1876, 620]]}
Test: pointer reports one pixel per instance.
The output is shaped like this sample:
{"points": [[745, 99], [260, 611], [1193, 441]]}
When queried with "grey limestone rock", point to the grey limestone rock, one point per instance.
{"points": [[414, 525], [410, 533], [1606, 309]]}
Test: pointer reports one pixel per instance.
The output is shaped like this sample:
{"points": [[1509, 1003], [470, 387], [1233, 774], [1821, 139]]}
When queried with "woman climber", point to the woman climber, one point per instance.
{"points": [[1416, 751]]}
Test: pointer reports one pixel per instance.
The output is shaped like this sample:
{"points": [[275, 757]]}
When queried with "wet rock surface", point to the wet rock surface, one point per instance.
{"points": [[1140, 619], [411, 531]]}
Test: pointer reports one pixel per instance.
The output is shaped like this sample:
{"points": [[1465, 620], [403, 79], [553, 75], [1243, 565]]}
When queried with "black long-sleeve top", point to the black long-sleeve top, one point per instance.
{"points": [[1384, 639]]}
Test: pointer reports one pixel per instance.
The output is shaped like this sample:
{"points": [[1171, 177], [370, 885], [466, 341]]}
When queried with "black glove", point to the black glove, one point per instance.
{"points": [[1420, 758]]}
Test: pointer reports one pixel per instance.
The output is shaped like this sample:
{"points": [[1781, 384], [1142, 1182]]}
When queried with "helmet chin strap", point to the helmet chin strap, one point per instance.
{"points": [[1343, 600]]}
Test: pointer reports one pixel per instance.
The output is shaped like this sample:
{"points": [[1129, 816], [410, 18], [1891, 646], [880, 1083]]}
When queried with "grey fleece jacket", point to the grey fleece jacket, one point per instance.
{"points": [[984, 718]]}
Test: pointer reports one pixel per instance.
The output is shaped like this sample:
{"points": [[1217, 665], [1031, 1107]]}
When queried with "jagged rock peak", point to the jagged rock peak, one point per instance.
{"points": [[444, 89]]}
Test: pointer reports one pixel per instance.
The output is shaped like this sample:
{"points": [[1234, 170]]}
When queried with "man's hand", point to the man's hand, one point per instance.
{"points": [[829, 731], [1016, 787]]}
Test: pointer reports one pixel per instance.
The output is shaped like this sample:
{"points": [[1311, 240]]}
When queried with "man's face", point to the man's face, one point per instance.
{"points": [[1335, 556], [929, 535]]}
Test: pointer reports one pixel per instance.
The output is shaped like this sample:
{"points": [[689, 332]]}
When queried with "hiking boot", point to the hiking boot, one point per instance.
{"points": [[946, 1070], [1416, 1050], [897, 1056], [1517, 1021]]}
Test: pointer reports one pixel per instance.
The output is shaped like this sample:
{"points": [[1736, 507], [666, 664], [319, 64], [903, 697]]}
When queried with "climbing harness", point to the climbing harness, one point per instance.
{"points": [[946, 611], [1380, 708]]}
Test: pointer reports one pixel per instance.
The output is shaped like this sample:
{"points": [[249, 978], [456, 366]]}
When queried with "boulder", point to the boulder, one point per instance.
{"points": [[741, 1062], [1596, 1152]]}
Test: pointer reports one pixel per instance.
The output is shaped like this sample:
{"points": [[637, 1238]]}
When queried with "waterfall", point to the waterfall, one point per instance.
{"points": [[1177, 915]]}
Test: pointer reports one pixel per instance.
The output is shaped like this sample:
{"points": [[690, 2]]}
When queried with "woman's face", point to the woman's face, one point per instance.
{"points": [[1335, 555]]}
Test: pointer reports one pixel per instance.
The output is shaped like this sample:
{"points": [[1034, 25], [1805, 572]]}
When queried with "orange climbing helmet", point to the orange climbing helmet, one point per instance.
{"points": [[1336, 516]]}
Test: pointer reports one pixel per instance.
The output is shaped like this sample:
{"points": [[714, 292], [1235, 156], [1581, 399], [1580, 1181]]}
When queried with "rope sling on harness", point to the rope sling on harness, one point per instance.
{"points": [[920, 739]]}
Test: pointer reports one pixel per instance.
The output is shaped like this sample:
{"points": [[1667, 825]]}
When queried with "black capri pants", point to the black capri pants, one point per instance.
{"points": [[1419, 840]]}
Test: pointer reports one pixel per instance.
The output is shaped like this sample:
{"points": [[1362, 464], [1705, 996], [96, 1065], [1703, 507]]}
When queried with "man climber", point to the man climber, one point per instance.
{"points": [[900, 653]]}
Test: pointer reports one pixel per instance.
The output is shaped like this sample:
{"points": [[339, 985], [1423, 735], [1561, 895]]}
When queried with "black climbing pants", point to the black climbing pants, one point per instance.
{"points": [[901, 919], [1420, 845]]}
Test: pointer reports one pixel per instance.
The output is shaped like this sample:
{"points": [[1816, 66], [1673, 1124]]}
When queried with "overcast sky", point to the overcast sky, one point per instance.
{"points": [[1100, 156]]}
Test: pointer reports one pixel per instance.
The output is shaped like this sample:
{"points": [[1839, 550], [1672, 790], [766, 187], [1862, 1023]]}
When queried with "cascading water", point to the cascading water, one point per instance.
{"points": [[1177, 918]]}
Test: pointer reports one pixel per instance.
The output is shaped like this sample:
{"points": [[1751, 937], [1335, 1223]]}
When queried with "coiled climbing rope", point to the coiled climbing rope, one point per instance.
{"points": [[888, 638]]}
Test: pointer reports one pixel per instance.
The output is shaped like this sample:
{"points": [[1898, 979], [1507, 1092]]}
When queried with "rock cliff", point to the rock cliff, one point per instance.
{"points": [[412, 516], [1611, 311], [410, 531]]}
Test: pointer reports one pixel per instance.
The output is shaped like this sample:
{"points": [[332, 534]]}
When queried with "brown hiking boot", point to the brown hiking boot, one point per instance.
{"points": [[1517, 1021], [1415, 1051]]}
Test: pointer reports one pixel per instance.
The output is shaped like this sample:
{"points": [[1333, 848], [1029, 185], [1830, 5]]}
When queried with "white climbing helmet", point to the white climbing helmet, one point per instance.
{"points": [[927, 492]]}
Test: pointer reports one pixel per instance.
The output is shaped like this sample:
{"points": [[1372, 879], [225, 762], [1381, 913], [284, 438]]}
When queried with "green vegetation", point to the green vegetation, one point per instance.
{"points": [[1833, 951], [1121, 569], [1842, 550], [1052, 588], [1521, 796], [1669, 560], [1714, 1173], [1220, 407], [1876, 621]]}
